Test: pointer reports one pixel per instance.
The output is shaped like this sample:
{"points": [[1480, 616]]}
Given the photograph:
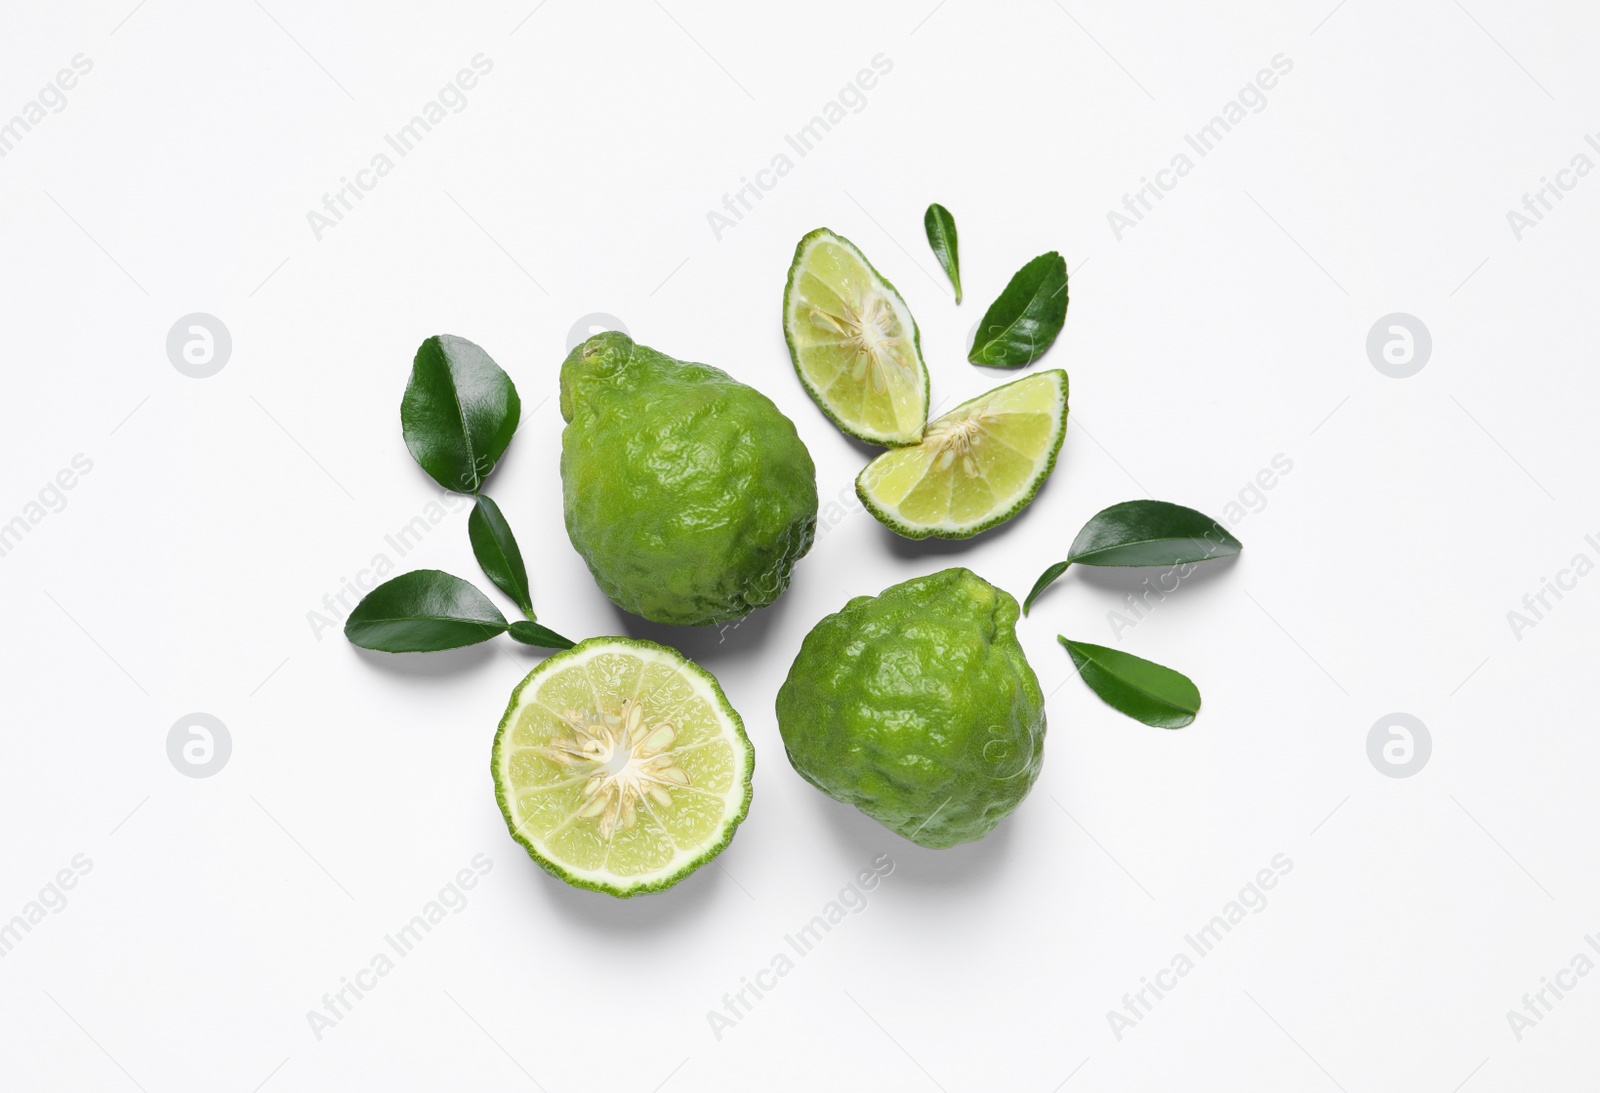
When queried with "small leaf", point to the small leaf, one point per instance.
{"points": [[531, 633], [496, 551], [1046, 579], [459, 412], [1024, 321], [941, 229], [422, 612], [1143, 533], [1142, 689]]}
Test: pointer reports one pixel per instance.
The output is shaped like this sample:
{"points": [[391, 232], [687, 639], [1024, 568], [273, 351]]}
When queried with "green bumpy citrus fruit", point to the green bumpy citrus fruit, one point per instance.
{"points": [[690, 495], [918, 707]]}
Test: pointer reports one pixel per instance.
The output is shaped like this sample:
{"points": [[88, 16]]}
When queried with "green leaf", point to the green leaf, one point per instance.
{"points": [[1142, 689], [1143, 533], [1046, 579], [422, 612], [941, 229], [1151, 533], [496, 551], [1024, 321], [459, 412], [531, 633]]}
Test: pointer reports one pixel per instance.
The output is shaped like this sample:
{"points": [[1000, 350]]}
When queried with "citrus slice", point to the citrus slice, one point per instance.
{"points": [[977, 467], [854, 343], [620, 766]]}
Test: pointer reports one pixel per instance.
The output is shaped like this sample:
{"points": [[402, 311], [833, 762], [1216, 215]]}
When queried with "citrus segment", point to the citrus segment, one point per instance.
{"points": [[976, 467], [854, 343]]}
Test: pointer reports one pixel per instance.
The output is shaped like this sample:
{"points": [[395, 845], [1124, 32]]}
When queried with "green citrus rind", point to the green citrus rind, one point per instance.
{"points": [[689, 495], [647, 883], [918, 707], [967, 530], [853, 429]]}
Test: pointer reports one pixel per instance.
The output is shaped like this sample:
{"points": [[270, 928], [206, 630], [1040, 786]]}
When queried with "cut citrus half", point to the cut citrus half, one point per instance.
{"points": [[854, 343], [620, 766], [977, 467]]}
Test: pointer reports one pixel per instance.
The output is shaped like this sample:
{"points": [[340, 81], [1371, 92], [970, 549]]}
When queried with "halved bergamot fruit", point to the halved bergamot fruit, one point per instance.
{"points": [[977, 467], [620, 766], [854, 343]]}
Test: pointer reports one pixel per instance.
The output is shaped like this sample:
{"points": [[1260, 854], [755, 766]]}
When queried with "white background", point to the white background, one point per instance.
{"points": [[1228, 327]]}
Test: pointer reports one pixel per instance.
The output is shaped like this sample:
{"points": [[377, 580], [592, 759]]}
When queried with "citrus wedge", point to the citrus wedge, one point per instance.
{"points": [[854, 343], [620, 766], [977, 467]]}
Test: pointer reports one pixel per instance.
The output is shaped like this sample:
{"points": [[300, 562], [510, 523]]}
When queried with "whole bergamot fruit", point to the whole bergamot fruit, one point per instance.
{"points": [[918, 707], [689, 494]]}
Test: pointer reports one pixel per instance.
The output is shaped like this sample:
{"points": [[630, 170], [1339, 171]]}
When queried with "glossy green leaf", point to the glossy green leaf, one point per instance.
{"points": [[459, 412], [531, 633], [941, 229], [1143, 533], [422, 612], [1024, 321], [497, 552], [1151, 533], [1142, 689]]}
